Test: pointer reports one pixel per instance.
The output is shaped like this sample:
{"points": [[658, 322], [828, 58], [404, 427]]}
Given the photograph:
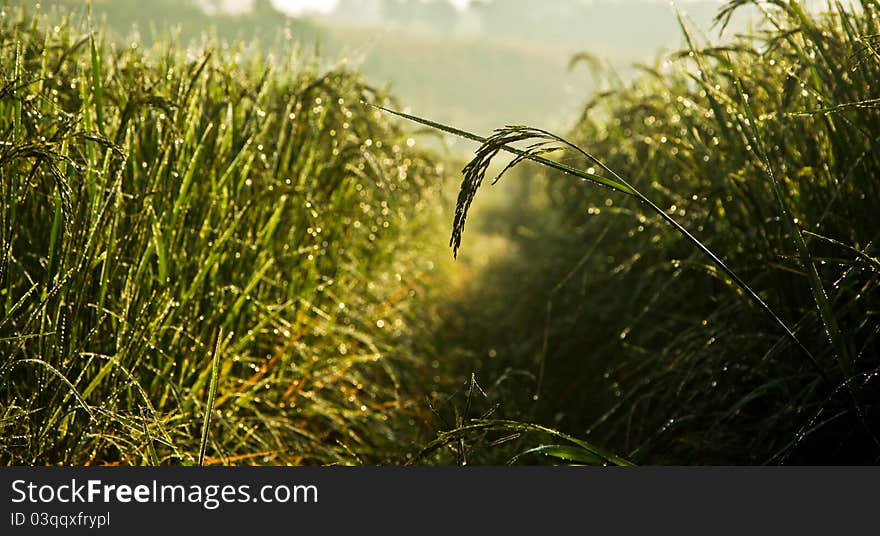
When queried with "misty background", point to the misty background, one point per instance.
{"points": [[475, 64]]}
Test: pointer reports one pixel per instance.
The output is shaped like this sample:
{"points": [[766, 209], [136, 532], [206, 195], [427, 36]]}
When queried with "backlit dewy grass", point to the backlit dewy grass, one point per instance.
{"points": [[754, 339], [212, 254], [152, 200]]}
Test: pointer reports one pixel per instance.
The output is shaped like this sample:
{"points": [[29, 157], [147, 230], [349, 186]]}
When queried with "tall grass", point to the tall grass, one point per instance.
{"points": [[764, 149], [207, 256], [153, 199]]}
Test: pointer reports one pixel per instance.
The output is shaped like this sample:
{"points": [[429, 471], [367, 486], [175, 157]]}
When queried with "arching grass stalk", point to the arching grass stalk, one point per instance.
{"points": [[572, 450], [544, 142]]}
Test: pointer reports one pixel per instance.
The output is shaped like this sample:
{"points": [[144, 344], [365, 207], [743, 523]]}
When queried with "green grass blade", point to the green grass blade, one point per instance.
{"points": [[212, 393], [97, 84], [566, 453]]}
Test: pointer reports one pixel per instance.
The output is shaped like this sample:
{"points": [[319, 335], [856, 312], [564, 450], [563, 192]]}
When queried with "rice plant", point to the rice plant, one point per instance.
{"points": [[754, 339], [152, 199], [214, 255]]}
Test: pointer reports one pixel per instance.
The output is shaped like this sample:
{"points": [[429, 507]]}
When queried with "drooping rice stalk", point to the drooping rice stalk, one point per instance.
{"points": [[543, 142]]}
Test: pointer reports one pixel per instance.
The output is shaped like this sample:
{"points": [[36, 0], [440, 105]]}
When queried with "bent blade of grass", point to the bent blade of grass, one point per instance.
{"points": [[490, 147], [566, 453], [873, 262], [67, 382], [499, 425]]}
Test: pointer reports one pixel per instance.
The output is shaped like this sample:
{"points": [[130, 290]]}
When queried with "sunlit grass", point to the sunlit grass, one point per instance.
{"points": [[153, 199], [210, 256]]}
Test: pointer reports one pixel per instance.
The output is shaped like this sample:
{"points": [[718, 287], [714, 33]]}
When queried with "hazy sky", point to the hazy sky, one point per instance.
{"points": [[296, 7]]}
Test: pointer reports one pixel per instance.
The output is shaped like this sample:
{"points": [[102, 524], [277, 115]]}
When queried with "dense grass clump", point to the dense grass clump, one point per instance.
{"points": [[618, 329], [164, 207]]}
